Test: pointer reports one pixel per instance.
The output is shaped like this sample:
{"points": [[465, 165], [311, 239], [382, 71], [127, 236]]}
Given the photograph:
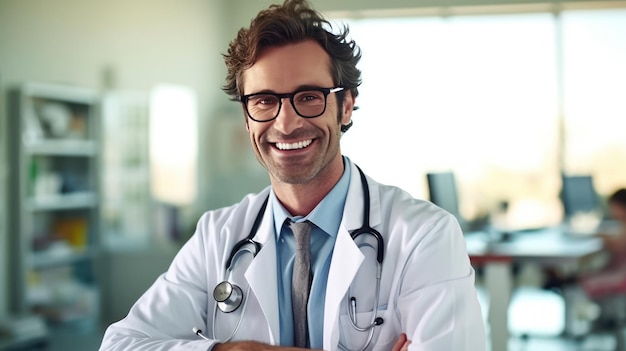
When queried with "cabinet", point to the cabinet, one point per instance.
{"points": [[54, 156]]}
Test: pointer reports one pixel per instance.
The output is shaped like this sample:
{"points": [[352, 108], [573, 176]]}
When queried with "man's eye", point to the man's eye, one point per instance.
{"points": [[308, 97], [264, 101], [267, 101]]}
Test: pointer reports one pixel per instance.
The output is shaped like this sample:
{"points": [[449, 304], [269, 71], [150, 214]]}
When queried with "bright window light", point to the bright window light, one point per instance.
{"points": [[173, 144]]}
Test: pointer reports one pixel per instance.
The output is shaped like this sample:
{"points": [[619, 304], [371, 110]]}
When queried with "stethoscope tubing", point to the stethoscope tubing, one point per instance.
{"points": [[351, 302]]}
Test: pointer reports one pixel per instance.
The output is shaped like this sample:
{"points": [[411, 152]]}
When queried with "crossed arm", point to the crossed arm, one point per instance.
{"points": [[402, 344]]}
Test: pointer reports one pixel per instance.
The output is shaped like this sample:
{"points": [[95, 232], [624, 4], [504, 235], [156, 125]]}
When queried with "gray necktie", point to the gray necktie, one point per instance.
{"points": [[301, 281]]}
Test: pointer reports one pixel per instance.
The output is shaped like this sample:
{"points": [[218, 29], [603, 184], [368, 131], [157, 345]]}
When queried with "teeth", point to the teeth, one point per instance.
{"points": [[293, 146]]}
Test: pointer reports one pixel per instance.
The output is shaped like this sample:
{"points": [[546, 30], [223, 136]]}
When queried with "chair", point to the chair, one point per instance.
{"points": [[443, 193], [578, 195]]}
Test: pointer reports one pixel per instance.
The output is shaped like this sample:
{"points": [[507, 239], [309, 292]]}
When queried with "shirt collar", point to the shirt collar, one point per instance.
{"points": [[326, 215]]}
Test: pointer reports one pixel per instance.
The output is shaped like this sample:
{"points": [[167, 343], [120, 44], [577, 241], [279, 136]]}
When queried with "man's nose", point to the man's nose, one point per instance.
{"points": [[288, 119]]}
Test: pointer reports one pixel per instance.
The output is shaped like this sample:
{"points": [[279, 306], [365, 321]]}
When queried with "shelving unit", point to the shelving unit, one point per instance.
{"points": [[54, 206]]}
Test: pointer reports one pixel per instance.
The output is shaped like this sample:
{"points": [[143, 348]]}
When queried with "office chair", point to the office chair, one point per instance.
{"points": [[443, 193], [578, 195]]}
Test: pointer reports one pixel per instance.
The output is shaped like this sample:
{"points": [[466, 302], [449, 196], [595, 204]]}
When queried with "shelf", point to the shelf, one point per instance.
{"points": [[65, 93], [23, 333], [64, 147], [63, 202], [26, 342], [55, 151], [55, 259]]}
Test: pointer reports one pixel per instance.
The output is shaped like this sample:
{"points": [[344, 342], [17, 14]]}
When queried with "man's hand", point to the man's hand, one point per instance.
{"points": [[402, 344]]}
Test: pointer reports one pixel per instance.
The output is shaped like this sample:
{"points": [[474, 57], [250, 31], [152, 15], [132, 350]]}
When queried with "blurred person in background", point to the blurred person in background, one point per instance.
{"points": [[611, 279]]}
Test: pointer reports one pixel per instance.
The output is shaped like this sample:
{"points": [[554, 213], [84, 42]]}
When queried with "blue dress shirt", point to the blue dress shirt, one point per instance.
{"points": [[327, 217]]}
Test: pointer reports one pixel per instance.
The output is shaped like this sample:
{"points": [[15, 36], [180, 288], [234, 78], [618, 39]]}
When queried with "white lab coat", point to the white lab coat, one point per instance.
{"points": [[427, 287]]}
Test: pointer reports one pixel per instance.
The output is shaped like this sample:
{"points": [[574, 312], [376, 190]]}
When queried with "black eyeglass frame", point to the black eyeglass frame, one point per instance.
{"points": [[326, 91]]}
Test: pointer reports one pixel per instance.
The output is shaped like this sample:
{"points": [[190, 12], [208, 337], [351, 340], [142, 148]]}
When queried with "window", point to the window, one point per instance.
{"points": [[594, 75], [480, 95]]}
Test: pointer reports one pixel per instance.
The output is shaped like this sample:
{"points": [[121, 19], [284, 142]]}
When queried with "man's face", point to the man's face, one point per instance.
{"points": [[293, 149]]}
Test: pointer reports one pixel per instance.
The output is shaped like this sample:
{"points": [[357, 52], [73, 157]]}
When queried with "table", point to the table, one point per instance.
{"points": [[550, 247]]}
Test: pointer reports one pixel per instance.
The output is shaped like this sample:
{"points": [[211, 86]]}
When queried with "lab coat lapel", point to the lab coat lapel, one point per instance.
{"points": [[347, 257], [262, 278]]}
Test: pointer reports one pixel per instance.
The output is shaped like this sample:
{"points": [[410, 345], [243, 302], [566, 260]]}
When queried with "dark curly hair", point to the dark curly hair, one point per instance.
{"points": [[292, 22], [618, 197]]}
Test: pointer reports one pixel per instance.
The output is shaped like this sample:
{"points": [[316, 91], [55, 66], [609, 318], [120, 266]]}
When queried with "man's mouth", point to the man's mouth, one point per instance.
{"points": [[294, 146]]}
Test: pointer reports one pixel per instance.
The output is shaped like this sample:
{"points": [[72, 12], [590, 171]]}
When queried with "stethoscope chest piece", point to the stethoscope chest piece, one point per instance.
{"points": [[228, 296]]}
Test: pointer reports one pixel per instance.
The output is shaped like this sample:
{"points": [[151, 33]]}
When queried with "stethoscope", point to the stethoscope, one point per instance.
{"points": [[230, 297]]}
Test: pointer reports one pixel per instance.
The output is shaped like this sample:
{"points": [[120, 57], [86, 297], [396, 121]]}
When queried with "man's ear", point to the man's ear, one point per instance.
{"points": [[348, 107]]}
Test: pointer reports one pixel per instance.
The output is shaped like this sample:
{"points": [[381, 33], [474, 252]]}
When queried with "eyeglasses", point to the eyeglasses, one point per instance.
{"points": [[308, 103]]}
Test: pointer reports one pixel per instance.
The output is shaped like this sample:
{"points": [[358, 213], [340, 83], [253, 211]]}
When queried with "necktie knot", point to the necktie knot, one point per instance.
{"points": [[302, 234]]}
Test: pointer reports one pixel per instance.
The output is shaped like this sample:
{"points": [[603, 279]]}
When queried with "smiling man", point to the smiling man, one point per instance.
{"points": [[325, 257]]}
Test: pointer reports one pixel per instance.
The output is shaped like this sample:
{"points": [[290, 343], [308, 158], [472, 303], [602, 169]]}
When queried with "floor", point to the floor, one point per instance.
{"points": [[597, 343], [537, 323]]}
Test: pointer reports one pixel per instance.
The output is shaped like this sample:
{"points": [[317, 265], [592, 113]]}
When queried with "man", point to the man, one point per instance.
{"points": [[297, 83]]}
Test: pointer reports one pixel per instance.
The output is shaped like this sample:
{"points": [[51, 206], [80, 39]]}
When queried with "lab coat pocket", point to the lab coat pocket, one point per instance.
{"points": [[383, 335]]}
